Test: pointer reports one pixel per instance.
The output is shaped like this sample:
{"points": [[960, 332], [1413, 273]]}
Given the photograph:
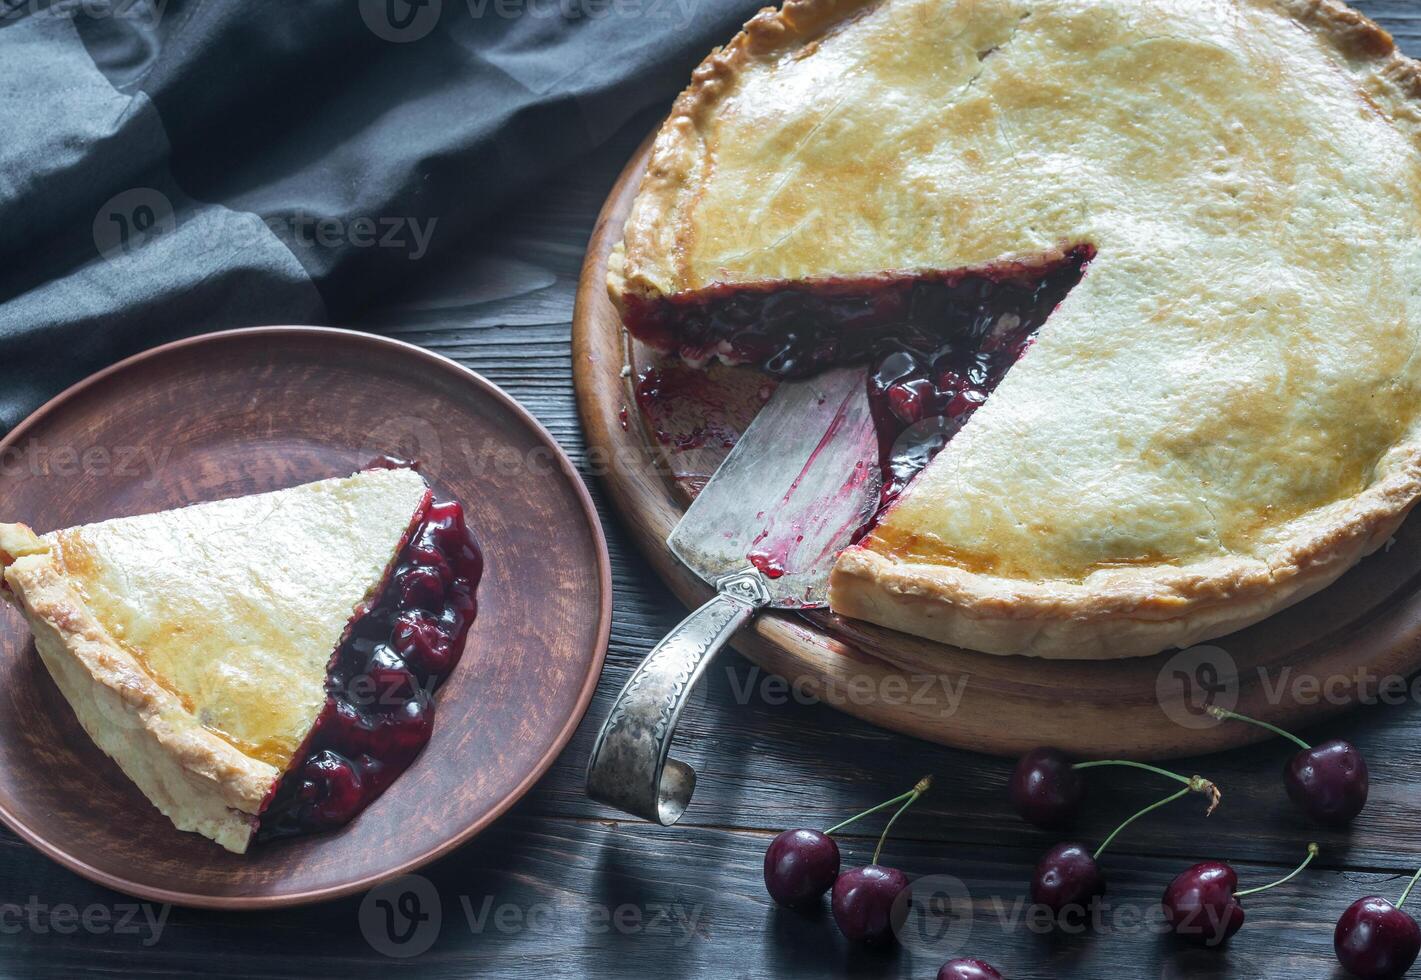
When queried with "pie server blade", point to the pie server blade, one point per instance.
{"points": [[765, 532]]}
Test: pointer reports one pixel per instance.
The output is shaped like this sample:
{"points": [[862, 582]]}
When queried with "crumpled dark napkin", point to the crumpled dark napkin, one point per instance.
{"points": [[170, 167]]}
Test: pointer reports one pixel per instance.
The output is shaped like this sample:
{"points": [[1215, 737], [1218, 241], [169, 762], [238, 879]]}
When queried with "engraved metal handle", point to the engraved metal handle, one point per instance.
{"points": [[630, 768]]}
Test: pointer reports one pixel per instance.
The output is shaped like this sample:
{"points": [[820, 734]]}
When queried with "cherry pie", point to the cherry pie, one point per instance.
{"points": [[1165, 256], [260, 666]]}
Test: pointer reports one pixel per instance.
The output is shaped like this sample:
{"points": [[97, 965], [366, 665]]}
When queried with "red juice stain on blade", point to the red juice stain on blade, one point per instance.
{"points": [[774, 546], [771, 566]]}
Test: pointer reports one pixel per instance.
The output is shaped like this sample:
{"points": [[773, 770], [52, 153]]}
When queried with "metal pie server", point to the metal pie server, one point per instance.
{"points": [[765, 532]]}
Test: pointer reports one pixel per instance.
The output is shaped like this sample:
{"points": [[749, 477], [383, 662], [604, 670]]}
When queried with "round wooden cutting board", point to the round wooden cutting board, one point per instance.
{"points": [[1355, 642], [247, 411]]}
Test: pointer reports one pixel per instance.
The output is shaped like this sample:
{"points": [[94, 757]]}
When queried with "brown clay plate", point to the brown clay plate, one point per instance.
{"points": [[252, 410]]}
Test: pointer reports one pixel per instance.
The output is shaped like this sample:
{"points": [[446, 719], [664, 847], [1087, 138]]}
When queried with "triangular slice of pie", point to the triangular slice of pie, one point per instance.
{"points": [[1219, 418], [213, 650]]}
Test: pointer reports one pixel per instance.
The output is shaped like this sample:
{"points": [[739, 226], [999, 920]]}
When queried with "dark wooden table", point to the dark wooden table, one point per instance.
{"points": [[563, 888]]}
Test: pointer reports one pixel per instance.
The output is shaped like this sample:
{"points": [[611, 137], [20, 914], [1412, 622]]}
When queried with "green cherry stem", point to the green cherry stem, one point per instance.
{"points": [[1096, 764], [1312, 853], [1409, 885], [924, 783], [905, 798], [912, 797], [1224, 714], [1196, 784]]}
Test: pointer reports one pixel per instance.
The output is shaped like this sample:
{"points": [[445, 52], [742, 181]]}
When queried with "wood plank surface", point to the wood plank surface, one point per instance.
{"points": [[563, 888]]}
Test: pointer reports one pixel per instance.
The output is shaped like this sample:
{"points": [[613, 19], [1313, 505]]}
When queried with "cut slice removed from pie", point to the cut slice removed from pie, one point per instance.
{"points": [[1163, 255], [262, 664]]}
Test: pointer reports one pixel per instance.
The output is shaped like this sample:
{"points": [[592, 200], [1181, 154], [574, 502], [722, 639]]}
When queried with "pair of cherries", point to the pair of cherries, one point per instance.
{"points": [[801, 865]]}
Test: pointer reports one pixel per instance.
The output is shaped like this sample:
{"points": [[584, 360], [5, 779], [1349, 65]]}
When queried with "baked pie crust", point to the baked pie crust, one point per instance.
{"points": [[193, 644], [1218, 420]]}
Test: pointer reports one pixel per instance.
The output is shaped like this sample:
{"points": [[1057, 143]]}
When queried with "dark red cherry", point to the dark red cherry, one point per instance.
{"points": [[1200, 906], [1328, 782], [419, 586], [444, 526], [389, 682], [406, 730], [895, 367], [1046, 790], [966, 402], [800, 866], [1375, 940], [1067, 878], [418, 638], [909, 400], [968, 970], [863, 902], [949, 380], [335, 789]]}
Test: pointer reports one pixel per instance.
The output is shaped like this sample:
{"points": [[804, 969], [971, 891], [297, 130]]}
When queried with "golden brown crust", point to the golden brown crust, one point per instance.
{"points": [[193, 644], [651, 233], [198, 780], [1120, 611], [643, 263], [1126, 613]]}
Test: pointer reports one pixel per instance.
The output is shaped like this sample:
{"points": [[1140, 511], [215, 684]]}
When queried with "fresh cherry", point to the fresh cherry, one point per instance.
{"points": [[1375, 940], [1202, 903], [863, 902], [1068, 876], [800, 866], [1046, 789], [964, 969], [863, 898], [1328, 782]]}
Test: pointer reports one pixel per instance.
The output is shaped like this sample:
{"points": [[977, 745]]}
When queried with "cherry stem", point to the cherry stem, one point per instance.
{"points": [[917, 791], [1312, 853], [868, 813], [1197, 784], [1133, 765], [1224, 714], [1410, 885]]}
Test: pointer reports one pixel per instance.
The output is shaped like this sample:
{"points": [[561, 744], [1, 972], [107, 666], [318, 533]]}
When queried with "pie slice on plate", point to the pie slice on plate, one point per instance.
{"points": [[260, 665], [1165, 256]]}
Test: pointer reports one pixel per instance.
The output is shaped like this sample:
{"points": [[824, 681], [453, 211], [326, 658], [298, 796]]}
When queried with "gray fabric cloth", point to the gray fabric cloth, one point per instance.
{"points": [[170, 167]]}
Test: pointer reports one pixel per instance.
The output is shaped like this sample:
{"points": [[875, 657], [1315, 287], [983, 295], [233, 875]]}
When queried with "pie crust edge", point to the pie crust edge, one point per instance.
{"points": [[200, 782], [1116, 613]]}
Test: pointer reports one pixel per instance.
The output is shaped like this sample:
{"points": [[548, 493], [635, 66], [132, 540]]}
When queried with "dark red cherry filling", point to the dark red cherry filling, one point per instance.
{"points": [[937, 343], [942, 369], [379, 711]]}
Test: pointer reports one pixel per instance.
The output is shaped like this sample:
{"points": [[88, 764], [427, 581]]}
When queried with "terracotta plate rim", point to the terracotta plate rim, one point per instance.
{"points": [[584, 699]]}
